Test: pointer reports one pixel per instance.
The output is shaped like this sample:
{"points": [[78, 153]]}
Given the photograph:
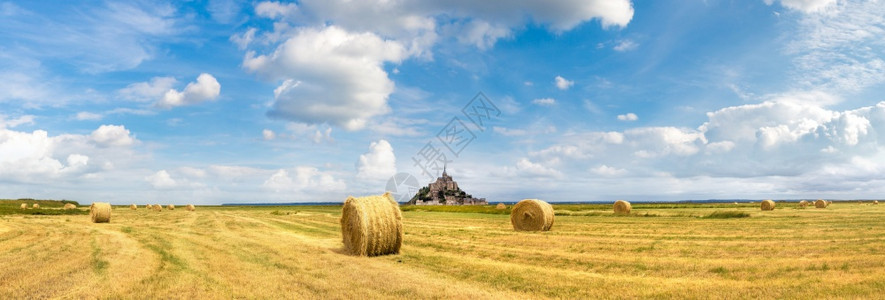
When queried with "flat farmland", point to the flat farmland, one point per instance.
{"points": [[293, 252]]}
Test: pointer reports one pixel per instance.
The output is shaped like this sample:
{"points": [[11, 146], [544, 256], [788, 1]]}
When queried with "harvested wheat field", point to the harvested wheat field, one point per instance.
{"points": [[659, 251]]}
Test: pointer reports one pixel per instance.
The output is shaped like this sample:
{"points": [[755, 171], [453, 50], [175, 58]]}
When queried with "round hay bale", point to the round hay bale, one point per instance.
{"points": [[820, 203], [157, 207], [735, 203], [171, 207], [532, 215], [803, 203], [875, 202], [149, 207], [24, 206], [190, 207], [501, 206], [133, 207], [829, 202], [622, 207], [100, 212], [36, 206], [372, 225], [69, 206], [768, 205]]}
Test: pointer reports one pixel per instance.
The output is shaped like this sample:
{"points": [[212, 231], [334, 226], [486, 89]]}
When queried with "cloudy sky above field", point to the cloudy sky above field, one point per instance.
{"points": [[223, 101]]}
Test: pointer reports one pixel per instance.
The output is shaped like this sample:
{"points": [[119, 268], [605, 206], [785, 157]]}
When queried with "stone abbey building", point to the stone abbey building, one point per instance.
{"points": [[444, 191]]}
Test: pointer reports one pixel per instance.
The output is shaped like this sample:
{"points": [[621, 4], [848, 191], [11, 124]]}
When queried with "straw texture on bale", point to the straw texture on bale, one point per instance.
{"points": [[24, 206], [157, 207], [820, 203], [875, 202], [171, 207], [133, 207], [803, 203], [372, 225], [532, 215], [622, 207], [100, 212], [36, 206], [70, 206], [148, 206], [501, 206], [190, 207], [767, 205]]}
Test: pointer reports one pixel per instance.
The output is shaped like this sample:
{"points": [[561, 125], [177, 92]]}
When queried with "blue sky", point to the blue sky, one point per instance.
{"points": [[225, 101]]}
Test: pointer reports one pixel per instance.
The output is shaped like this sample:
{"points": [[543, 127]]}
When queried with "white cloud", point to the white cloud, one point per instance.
{"points": [[112, 136], [268, 134], [161, 180], [206, 88], [628, 117], [148, 91], [377, 164], [243, 40], [330, 75], [305, 179], [88, 116], [625, 45], [562, 83], [544, 101], [525, 167], [509, 132], [607, 171], [806, 6], [26, 119]]}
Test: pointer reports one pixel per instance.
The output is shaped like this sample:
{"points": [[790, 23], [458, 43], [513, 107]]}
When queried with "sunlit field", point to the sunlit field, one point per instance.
{"points": [[722, 251]]}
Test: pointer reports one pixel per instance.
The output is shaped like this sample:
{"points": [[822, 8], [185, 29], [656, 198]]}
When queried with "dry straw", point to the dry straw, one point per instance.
{"points": [[190, 207], [148, 206], [70, 206], [171, 207], [820, 203], [501, 206], [133, 207], [36, 206], [803, 203], [622, 207], [157, 207], [532, 215], [24, 206], [372, 225], [875, 202], [100, 212], [768, 205]]}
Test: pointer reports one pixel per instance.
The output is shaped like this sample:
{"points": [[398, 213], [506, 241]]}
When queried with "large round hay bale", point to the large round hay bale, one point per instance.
{"points": [[532, 215], [36, 206], [768, 205], [372, 225], [100, 212], [157, 207], [148, 206], [501, 206], [190, 207], [133, 207], [622, 207], [69, 206], [803, 203], [24, 206], [171, 207], [820, 203]]}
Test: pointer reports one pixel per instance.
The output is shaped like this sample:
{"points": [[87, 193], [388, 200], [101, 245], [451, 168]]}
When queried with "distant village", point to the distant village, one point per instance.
{"points": [[444, 191]]}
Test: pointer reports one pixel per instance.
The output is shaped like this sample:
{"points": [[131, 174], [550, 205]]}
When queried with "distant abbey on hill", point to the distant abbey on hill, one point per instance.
{"points": [[444, 191]]}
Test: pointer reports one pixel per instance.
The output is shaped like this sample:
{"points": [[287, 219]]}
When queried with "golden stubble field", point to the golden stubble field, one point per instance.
{"points": [[295, 253]]}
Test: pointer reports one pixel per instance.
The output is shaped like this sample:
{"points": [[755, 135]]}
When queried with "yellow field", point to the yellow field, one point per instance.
{"points": [[295, 252]]}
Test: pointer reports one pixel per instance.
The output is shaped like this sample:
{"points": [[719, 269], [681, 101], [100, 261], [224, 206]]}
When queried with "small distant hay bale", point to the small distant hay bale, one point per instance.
{"points": [[803, 203], [133, 207], [69, 206], [622, 207], [820, 203], [532, 215], [170, 207], [875, 202], [372, 225], [501, 206], [190, 207], [735, 203], [157, 207], [100, 212], [768, 205], [149, 207], [24, 206], [36, 206], [829, 202]]}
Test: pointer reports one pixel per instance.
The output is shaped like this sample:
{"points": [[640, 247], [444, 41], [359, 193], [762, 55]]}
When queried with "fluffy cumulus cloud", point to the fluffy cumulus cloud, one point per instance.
{"points": [[783, 137], [378, 163], [807, 6], [562, 83], [301, 179], [330, 55], [33, 157], [206, 88], [628, 117]]}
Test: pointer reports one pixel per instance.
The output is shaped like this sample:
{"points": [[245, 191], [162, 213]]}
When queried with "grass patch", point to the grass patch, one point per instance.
{"points": [[726, 215], [99, 265]]}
